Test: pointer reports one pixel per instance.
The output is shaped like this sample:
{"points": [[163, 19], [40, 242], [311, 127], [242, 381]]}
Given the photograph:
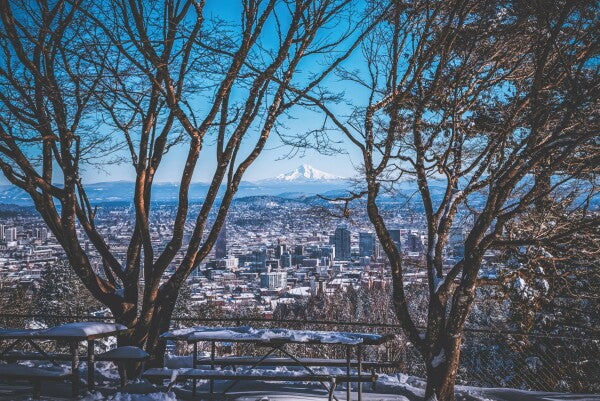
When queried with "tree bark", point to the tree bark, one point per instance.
{"points": [[145, 333], [442, 368]]}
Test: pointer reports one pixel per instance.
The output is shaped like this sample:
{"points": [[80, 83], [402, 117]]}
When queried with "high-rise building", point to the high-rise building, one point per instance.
{"points": [[299, 250], [342, 243], [41, 233], [395, 234], [327, 251], [260, 256], [273, 280], [415, 243], [366, 244], [10, 234], [457, 241], [1, 232], [285, 260], [280, 248], [221, 244]]}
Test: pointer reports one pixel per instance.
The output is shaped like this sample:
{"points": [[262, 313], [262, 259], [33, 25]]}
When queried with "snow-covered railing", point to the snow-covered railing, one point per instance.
{"points": [[244, 320]]}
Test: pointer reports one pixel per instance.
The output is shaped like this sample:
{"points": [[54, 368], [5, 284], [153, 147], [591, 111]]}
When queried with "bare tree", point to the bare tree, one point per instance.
{"points": [[497, 103], [81, 82]]}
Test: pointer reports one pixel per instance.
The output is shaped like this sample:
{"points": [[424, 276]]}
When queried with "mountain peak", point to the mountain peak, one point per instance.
{"points": [[306, 172]]}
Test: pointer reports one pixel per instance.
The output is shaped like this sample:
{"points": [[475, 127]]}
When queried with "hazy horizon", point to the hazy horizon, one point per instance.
{"points": [[283, 167]]}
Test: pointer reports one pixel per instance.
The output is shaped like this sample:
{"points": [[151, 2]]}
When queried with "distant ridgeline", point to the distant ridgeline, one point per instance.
{"points": [[292, 186]]}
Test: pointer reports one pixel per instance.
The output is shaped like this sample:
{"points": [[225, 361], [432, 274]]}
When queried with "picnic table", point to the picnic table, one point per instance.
{"points": [[273, 341], [71, 333]]}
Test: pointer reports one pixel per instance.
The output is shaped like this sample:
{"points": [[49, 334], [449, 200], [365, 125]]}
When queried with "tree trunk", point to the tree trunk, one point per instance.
{"points": [[160, 323], [145, 334], [441, 373]]}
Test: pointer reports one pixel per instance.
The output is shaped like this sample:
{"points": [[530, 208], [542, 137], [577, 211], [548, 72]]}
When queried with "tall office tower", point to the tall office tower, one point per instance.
{"points": [[395, 234], [285, 260], [415, 243], [221, 244], [299, 250], [1, 232], [366, 244], [10, 234], [259, 256], [342, 243], [457, 241], [377, 250], [280, 248]]}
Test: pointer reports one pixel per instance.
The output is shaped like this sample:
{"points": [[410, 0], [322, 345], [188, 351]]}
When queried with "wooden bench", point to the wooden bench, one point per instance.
{"points": [[119, 356], [33, 375], [235, 361], [178, 375]]}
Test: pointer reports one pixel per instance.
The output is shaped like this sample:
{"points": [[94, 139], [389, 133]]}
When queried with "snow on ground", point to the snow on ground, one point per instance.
{"points": [[397, 387], [98, 396], [392, 387], [51, 371]]}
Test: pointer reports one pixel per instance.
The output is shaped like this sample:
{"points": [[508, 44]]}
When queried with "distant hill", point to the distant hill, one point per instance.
{"points": [[122, 191], [302, 184]]}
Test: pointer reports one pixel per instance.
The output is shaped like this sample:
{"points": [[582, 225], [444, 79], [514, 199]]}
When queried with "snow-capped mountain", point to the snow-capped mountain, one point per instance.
{"points": [[301, 182], [306, 172]]}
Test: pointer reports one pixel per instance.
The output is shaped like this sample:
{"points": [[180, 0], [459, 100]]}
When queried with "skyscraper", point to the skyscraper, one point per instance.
{"points": [[366, 244], [342, 243], [299, 250], [415, 243], [280, 248], [221, 244], [285, 260], [395, 234], [10, 234]]}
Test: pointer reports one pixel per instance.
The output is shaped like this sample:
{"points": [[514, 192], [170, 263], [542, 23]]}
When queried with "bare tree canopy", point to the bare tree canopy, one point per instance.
{"points": [[496, 103], [93, 82]]}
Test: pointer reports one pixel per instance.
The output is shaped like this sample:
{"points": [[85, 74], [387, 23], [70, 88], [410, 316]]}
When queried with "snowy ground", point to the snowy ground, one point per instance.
{"points": [[389, 388]]}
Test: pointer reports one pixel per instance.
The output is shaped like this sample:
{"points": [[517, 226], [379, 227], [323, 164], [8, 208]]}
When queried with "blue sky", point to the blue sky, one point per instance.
{"points": [[269, 164], [273, 160]]}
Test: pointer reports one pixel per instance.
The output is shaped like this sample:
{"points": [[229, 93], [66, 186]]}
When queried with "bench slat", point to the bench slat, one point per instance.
{"points": [[36, 356], [228, 361], [190, 374], [16, 371]]}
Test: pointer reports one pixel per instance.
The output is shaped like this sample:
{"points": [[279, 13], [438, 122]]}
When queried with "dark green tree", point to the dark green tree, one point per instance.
{"points": [[62, 296]]}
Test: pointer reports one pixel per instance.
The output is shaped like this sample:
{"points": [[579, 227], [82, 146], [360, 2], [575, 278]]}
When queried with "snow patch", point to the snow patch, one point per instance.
{"points": [[438, 282], [126, 352], [520, 284], [83, 329], [97, 396], [438, 359], [249, 334]]}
